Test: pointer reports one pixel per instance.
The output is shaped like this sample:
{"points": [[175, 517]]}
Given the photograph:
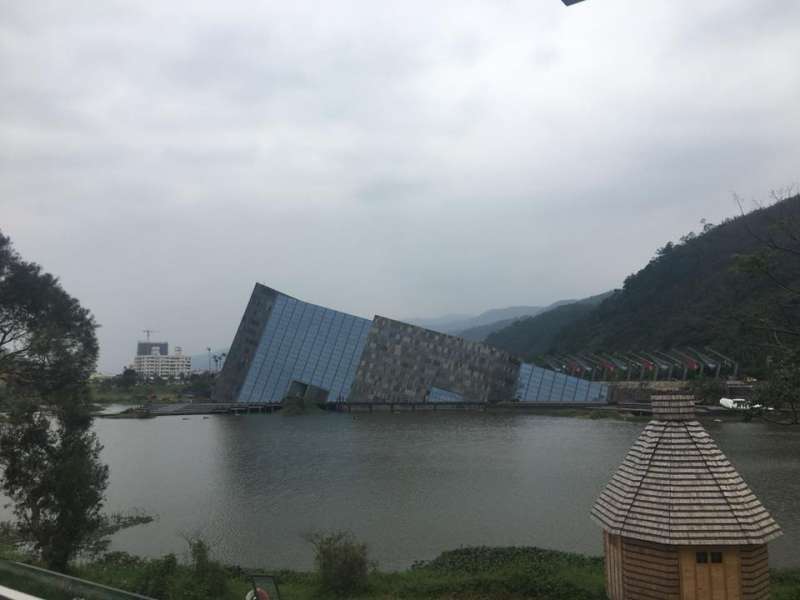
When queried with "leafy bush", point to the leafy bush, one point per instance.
{"points": [[164, 577], [341, 561], [785, 584], [707, 391], [508, 572], [209, 578]]}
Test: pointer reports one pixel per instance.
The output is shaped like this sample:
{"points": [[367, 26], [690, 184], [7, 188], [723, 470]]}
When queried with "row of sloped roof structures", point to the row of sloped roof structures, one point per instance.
{"points": [[645, 365]]}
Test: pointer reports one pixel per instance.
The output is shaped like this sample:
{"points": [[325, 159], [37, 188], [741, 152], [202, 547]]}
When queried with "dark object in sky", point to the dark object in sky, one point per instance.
{"points": [[571, 2]]}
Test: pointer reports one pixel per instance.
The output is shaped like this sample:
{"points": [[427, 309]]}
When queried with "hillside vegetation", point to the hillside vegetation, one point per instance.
{"points": [[454, 324], [700, 291], [534, 336], [481, 332], [528, 338]]}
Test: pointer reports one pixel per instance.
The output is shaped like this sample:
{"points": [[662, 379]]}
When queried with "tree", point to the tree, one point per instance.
{"points": [[780, 390], [199, 384], [776, 261], [128, 379], [54, 477], [706, 390], [50, 461], [47, 340], [342, 562]]}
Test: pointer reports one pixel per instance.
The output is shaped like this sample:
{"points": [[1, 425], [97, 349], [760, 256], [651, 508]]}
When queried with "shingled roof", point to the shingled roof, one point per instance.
{"points": [[676, 487]]}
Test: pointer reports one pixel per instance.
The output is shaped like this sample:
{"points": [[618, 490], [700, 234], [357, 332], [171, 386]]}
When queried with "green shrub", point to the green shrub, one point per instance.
{"points": [[157, 576], [341, 561], [206, 579], [508, 573], [785, 584], [164, 578]]}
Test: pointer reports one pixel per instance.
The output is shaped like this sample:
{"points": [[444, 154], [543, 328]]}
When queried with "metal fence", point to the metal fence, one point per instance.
{"points": [[26, 582]]}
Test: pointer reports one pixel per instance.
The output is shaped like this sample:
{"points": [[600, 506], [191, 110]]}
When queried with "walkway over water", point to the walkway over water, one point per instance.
{"points": [[239, 408]]}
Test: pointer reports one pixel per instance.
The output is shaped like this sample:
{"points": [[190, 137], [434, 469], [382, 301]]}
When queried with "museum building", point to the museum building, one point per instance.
{"points": [[287, 347]]}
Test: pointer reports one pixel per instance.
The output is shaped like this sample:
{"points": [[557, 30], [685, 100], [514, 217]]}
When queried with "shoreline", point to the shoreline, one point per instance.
{"points": [[470, 573], [633, 412]]}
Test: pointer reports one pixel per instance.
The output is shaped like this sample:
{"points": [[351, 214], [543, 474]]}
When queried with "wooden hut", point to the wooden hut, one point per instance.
{"points": [[679, 523]]}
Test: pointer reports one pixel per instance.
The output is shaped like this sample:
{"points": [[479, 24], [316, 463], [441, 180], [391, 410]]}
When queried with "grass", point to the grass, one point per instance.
{"points": [[466, 574], [785, 584], [136, 395]]}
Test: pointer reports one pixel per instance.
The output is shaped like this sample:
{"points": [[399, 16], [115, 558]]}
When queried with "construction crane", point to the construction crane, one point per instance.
{"points": [[147, 332]]}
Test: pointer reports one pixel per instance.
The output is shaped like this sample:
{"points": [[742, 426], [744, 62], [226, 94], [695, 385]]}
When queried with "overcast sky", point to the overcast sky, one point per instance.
{"points": [[405, 158]]}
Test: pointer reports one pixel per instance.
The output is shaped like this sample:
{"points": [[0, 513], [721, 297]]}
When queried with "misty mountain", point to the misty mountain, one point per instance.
{"points": [[480, 332], [454, 324], [441, 324], [534, 335], [692, 293], [698, 293]]}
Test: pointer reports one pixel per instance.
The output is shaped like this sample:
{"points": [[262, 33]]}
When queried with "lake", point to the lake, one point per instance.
{"points": [[410, 485]]}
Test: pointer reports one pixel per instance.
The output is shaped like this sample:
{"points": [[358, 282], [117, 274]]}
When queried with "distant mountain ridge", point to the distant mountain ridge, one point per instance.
{"points": [[460, 322], [532, 336], [479, 333]]}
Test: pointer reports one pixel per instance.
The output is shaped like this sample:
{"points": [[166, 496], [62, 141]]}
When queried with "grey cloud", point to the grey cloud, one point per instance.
{"points": [[401, 158]]}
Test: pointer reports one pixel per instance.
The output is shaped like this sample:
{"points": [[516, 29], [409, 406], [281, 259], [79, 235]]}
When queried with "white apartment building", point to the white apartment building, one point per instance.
{"points": [[159, 363]]}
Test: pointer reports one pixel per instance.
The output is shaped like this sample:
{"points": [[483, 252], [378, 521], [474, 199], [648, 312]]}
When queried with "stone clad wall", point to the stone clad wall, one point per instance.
{"points": [[248, 335], [401, 362]]}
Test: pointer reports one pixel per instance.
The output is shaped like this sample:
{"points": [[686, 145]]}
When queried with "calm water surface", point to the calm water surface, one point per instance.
{"points": [[409, 485]]}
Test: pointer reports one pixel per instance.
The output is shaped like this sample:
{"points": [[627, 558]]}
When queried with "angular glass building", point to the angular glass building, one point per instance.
{"points": [[537, 384], [286, 347], [307, 344]]}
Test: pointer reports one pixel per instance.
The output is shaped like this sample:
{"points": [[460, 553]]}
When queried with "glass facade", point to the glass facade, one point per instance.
{"points": [[542, 385], [439, 395], [305, 343], [283, 344]]}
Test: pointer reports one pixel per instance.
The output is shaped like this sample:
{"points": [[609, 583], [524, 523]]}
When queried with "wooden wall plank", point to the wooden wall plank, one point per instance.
{"points": [[688, 583], [755, 572], [650, 570], [733, 576], [716, 573]]}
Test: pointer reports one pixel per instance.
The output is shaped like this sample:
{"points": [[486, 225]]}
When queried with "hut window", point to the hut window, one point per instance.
{"points": [[716, 557], [702, 557]]}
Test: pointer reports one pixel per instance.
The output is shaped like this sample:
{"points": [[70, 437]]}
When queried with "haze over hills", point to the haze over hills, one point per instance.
{"points": [[441, 324], [456, 323], [535, 335], [479, 333], [692, 293]]}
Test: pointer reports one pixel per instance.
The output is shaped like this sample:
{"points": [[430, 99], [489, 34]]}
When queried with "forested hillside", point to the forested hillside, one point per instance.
{"points": [[532, 336], [700, 291], [481, 332]]}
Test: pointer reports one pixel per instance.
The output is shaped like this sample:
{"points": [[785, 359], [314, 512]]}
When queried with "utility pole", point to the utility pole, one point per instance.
{"points": [[209, 359]]}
